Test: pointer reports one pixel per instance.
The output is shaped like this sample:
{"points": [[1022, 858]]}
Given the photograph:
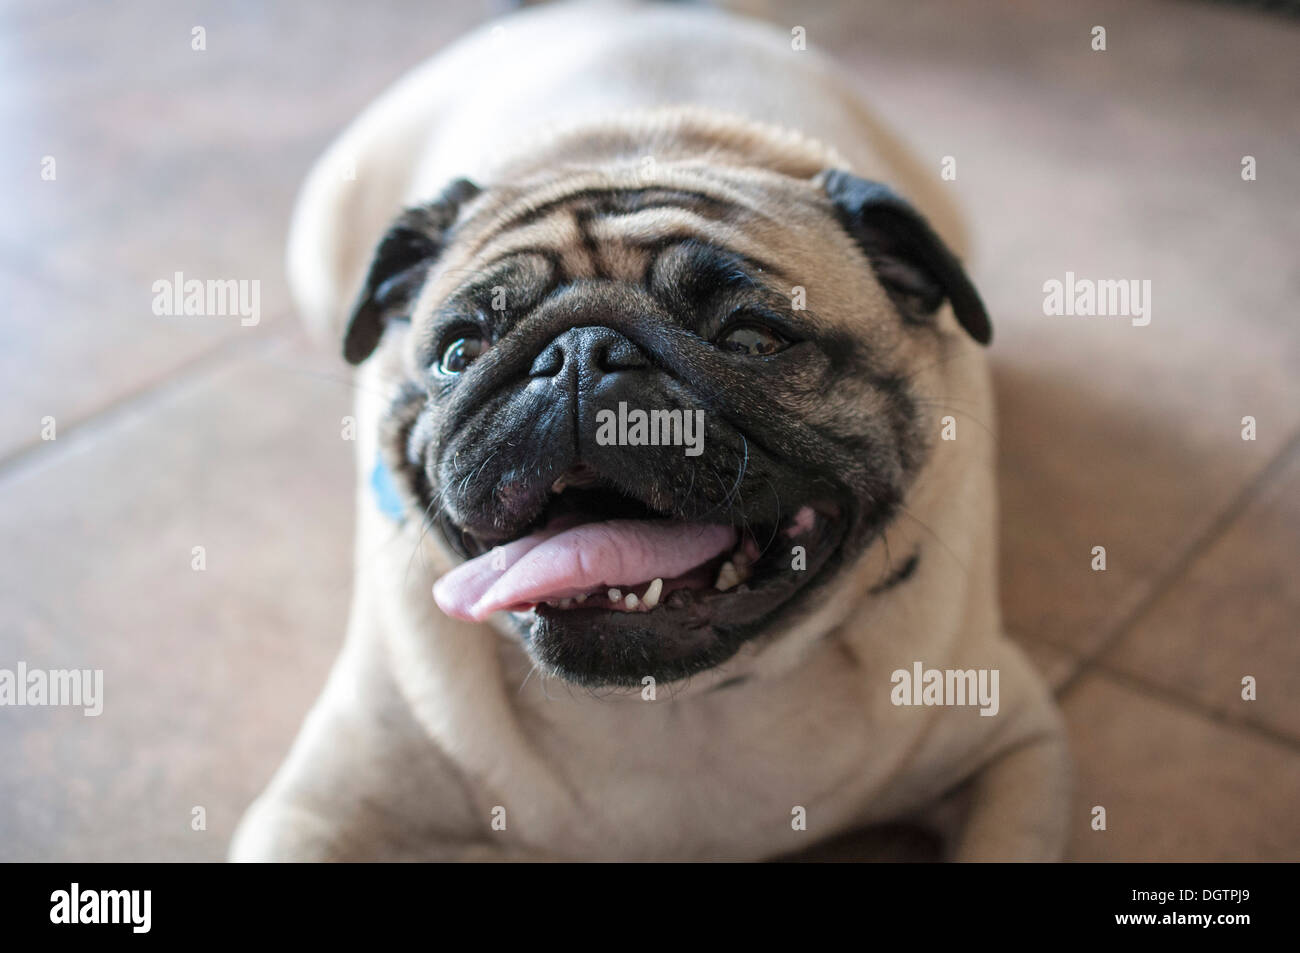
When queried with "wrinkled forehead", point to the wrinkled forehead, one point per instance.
{"points": [[617, 225]]}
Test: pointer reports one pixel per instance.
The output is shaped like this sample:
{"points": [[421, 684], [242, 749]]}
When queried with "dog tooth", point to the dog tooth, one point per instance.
{"points": [[580, 598], [727, 577], [614, 595], [565, 603], [652, 593], [631, 601], [558, 486]]}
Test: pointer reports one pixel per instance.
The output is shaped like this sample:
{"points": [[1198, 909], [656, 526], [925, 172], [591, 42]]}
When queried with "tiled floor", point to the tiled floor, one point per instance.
{"points": [[174, 433]]}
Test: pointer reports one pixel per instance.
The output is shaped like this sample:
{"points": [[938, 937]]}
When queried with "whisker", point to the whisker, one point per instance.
{"points": [[912, 516]]}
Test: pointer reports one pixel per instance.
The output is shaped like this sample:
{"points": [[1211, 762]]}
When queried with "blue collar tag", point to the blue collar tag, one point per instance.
{"points": [[386, 495]]}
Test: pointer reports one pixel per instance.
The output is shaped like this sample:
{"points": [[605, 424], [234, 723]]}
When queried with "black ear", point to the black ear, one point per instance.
{"points": [[401, 262], [916, 268]]}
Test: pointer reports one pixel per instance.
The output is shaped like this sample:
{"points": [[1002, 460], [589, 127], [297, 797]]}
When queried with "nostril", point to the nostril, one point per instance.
{"points": [[586, 353], [619, 355], [548, 363]]}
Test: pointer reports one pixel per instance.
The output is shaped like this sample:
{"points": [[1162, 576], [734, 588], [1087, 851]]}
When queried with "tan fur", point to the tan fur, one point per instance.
{"points": [[427, 724]]}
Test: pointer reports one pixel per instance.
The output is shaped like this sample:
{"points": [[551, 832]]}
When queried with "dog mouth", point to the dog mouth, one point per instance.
{"points": [[598, 556]]}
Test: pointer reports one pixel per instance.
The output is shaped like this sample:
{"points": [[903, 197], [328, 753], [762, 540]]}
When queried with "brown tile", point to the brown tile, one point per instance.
{"points": [[1053, 662], [1176, 786], [161, 146], [276, 71], [168, 160], [69, 356], [125, 212], [1236, 612], [1122, 164], [206, 674]]}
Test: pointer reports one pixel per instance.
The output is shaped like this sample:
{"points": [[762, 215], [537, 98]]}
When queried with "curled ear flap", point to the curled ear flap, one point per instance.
{"points": [[912, 263], [401, 262]]}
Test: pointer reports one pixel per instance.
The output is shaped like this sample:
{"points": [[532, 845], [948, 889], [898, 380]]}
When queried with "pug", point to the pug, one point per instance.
{"points": [[676, 520]]}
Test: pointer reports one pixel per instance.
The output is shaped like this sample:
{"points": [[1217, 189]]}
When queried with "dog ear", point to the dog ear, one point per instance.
{"points": [[401, 261], [916, 268]]}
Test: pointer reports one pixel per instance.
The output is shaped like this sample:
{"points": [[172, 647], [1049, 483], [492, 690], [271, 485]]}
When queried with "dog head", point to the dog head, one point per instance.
{"points": [[657, 414]]}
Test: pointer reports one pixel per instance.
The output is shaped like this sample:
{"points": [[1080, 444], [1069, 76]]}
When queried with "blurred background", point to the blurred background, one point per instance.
{"points": [[178, 432]]}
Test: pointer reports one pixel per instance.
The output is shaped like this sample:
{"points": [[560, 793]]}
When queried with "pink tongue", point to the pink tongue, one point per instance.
{"points": [[552, 564]]}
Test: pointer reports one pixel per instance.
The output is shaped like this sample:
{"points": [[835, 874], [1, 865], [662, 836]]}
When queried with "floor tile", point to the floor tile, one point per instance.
{"points": [[1055, 663], [207, 674], [167, 160], [1235, 613], [1122, 165], [68, 356], [1176, 786]]}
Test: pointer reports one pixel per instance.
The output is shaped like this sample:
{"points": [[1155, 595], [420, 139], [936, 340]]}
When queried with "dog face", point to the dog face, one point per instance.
{"points": [[657, 416]]}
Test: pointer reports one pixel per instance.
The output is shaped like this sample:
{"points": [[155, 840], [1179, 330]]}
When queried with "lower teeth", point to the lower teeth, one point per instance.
{"points": [[732, 574], [728, 576], [734, 571]]}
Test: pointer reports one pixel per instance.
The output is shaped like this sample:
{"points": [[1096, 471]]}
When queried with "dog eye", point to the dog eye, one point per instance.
{"points": [[752, 339], [460, 353]]}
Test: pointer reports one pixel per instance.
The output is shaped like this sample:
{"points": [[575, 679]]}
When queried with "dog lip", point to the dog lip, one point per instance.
{"points": [[694, 632], [532, 500], [579, 475], [470, 541], [827, 508], [753, 597]]}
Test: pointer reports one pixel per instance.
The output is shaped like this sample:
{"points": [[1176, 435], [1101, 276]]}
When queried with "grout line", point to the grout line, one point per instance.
{"points": [[223, 354], [1196, 706], [1181, 565], [1021, 636]]}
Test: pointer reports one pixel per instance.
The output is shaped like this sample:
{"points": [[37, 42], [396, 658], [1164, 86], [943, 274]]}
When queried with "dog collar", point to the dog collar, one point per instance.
{"points": [[386, 495]]}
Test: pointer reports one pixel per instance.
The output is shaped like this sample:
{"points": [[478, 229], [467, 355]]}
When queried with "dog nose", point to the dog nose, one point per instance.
{"points": [[582, 356]]}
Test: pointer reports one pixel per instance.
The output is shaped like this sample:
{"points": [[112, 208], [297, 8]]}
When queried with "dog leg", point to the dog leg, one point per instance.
{"points": [[362, 782], [1018, 805], [277, 831]]}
